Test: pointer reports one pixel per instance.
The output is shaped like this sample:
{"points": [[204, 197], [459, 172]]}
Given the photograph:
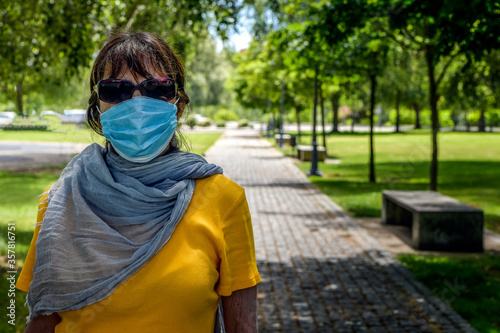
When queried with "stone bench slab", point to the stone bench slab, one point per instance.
{"points": [[304, 153], [437, 222], [287, 139]]}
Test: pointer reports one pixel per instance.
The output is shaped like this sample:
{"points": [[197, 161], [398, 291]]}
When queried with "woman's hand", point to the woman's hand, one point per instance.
{"points": [[43, 324], [240, 311]]}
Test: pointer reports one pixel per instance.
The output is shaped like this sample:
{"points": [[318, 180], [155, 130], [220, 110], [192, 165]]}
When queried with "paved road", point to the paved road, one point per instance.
{"points": [[26, 155], [321, 271]]}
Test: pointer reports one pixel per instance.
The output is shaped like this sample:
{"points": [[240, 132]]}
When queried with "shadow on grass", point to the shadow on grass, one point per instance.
{"points": [[453, 175], [471, 285], [473, 182], [341, 187], [349, 133]]}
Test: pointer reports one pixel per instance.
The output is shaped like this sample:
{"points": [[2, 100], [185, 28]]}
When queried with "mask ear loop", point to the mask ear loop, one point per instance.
{"points": [[178, 98]]}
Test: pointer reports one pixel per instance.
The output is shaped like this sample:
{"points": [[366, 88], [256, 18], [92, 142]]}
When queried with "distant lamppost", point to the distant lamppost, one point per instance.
{"points": [[269, 122], [282, 110], [314, 156]]}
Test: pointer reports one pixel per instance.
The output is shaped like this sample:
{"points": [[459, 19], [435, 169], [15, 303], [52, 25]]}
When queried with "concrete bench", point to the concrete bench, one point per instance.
{"points": [[437, 222], [287, 139], [304, 153]]}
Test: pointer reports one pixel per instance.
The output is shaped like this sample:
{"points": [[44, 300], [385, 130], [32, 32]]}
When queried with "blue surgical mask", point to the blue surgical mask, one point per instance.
{"points": [[140, 128]]}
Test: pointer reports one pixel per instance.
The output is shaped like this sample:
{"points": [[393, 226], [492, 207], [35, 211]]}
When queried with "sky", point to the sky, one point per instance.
{"points": [[242, 39], [239, 41]]}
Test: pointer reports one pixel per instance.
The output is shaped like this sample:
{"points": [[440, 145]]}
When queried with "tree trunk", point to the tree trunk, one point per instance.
{"points": [[322, 106], [373, 80], [416, 107], [481, 124], [282, 110], [335, 106], [429, 56], [276, 121], [297, 115], [398, 100], [269, 124], [19, 98]]}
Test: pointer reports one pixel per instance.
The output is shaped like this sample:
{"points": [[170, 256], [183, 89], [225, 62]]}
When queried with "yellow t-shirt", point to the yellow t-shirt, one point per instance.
{"points": [[210, 254]]}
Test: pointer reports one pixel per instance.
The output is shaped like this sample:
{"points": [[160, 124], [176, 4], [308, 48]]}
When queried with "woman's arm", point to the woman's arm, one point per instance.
{"points": [[43, 324], [240, 311]]}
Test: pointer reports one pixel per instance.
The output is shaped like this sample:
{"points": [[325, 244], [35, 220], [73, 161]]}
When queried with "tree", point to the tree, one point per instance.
{"points": [[208, 72], [38, 34], [364, 48], [472, 86], [442, 30], [254, 80], [42, 39]]}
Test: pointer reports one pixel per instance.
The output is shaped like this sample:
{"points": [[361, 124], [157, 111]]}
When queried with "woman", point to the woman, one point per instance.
{"points": [[139, 236]]}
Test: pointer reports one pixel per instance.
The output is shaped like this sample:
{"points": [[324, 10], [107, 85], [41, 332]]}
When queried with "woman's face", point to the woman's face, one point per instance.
{"points": [[127, 75]]}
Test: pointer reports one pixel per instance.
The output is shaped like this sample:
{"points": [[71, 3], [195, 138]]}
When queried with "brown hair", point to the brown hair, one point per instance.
{"points": [[141, 53]]}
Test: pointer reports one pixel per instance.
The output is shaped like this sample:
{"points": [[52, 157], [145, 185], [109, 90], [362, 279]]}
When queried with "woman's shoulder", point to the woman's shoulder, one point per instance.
{"points": [[219, 183], [218, 190]]}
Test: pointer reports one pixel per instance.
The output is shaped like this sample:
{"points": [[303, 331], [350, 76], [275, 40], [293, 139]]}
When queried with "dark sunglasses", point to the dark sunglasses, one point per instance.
{"points": [[115, 91]]}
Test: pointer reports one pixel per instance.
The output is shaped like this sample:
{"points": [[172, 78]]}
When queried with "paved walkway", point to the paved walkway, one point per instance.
{"points": [[28, 155], [321, 271]]}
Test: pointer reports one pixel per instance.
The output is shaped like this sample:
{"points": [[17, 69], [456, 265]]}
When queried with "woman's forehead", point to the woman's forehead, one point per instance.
{"points": [[148, 71]]}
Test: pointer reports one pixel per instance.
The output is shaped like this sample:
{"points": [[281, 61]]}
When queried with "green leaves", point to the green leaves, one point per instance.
{"points": [[53, 40]]}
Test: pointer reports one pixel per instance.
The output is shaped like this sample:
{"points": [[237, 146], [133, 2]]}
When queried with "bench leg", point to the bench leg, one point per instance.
{"points": [[448, 231], [394, 214]]}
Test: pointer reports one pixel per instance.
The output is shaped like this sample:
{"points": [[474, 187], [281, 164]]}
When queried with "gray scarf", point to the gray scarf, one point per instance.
{"points": [[106, 218]]}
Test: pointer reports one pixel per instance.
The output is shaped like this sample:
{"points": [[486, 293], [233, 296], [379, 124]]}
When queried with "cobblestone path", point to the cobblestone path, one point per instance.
{"points": [[321, 271]]}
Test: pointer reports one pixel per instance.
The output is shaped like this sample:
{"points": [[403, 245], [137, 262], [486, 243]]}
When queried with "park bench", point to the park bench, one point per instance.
{"points": [[304, 153], [437, 222], [287, 138]]}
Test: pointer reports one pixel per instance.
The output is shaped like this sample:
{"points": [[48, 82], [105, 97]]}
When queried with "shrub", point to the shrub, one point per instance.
{"points": [[28, 124], [25, 128], [226, 115], [191, 122], [406, 117], [493, 117], [445, 119], [243, 123], [220, 123], [205, 123]]}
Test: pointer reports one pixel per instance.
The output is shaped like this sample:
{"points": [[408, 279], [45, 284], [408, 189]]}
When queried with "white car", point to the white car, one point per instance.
{"points": [[199, 118], [50, 113], [6, 118], [76, 116]]}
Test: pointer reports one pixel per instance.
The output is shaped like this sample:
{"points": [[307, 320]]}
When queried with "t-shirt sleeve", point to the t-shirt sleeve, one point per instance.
{"points": [[238, 268], [26, 276]]}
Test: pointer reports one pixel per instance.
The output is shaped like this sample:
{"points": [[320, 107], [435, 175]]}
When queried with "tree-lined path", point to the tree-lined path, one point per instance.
{"points": [[321, 271]]}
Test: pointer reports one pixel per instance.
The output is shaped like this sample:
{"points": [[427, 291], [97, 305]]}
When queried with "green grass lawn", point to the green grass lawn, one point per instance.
{"points": [[469, 169], [19, 195], [471, 286], [198, 143]]}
